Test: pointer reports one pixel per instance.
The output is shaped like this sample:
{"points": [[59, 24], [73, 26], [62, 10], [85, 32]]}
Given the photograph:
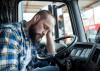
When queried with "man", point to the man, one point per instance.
{"points": [[19, 42]]}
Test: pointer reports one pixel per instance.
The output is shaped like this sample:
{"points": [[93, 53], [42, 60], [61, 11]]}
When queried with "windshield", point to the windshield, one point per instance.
{"points": [[91, 18]]}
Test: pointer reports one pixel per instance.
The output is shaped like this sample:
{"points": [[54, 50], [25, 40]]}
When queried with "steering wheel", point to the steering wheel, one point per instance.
{"points": [[62, 49], [67, 48]]}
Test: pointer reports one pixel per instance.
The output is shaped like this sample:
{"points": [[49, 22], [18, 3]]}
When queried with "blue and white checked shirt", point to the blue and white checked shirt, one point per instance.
{"points": [[15, 47]]}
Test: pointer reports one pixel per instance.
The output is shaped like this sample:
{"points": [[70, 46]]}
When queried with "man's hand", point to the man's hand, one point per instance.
{"points": [[50, 43]]}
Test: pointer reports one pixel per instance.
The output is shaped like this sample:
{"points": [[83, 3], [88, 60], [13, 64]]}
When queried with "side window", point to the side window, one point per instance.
{"points": [[27, 9], [91, 20]]}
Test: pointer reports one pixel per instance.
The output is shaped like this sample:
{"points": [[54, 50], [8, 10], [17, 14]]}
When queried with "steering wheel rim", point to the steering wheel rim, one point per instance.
{"points": [[69, 47]]}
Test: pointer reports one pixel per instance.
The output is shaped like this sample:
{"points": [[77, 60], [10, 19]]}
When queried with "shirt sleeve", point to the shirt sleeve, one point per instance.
{"points": [[8, 50]]}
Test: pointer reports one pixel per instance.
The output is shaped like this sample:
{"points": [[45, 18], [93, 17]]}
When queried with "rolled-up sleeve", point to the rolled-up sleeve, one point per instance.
{"points": [[8, 50]]}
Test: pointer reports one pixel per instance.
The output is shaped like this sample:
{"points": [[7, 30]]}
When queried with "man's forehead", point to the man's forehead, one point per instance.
{"points": [[51, 20]]}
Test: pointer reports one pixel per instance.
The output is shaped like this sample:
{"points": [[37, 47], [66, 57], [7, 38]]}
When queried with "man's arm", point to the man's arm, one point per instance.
{"points": [[50, 43], [8, 51]]}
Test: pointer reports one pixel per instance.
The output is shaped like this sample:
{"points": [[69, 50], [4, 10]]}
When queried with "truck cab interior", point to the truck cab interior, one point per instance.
{"points": [[76, 50]]}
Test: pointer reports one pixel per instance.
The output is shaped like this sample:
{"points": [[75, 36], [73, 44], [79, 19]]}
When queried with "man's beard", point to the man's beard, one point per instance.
{"points": [[32, 34]]}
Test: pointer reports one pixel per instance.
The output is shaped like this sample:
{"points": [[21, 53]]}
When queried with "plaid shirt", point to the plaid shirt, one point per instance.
{"points": [[15, 47]]}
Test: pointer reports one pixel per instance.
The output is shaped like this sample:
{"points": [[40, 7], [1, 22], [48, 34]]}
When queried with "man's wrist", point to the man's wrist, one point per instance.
{"points": [[49, 32]]}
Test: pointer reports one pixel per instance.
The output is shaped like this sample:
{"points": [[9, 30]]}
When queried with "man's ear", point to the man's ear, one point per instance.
{"points": [[36, 19]]}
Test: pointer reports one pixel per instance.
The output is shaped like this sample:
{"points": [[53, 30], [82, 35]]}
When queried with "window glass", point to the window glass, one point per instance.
{"points": [[65, 27], [91, 18], [27, 9]]}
